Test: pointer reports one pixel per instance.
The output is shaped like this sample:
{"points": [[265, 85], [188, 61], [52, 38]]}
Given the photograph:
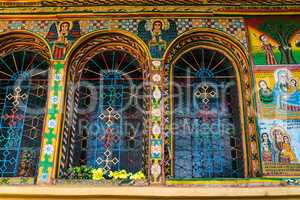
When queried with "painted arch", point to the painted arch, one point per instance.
{"points": [[105, 58], [233, 50]]}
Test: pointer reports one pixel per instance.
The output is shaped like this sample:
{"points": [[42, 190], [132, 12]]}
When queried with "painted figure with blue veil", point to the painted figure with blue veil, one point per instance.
{"points": [[157, 33], [286, 93]]}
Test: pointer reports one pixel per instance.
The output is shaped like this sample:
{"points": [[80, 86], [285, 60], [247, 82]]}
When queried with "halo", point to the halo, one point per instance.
{"points": [[280, 71], [164, 22], [282, 130], [69, 22]]}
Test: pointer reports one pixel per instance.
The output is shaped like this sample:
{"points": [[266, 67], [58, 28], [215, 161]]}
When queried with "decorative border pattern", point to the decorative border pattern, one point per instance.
{"points": [[52, 124], [232, 26], [156, 144]]}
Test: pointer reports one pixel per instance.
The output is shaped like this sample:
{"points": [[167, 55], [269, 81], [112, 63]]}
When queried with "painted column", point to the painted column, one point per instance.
{"points": [[51, 130], [156, 144]]}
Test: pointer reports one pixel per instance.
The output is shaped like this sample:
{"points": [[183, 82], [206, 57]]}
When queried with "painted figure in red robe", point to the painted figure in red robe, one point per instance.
{"points": [[61, 36], [268, 48]]}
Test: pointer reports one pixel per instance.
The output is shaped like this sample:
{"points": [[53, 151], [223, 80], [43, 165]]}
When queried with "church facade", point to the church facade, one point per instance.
{"points": [[173, 94]]}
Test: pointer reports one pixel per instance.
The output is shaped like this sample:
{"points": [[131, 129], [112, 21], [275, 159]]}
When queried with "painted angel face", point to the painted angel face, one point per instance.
{"points": [[157, 26], [64, 27]]}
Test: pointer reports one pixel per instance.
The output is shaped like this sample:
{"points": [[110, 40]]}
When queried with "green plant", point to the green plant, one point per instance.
{"points": [[120, 177], [82, 172]]}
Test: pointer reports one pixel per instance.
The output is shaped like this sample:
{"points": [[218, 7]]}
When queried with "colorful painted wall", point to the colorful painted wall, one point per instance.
{"points": [[274, 52], [272, 46]]}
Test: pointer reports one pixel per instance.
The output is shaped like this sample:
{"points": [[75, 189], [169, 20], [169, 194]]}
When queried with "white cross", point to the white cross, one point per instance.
{"points": [[107, 160], [205, 95], [17, 96], [109, 116]]}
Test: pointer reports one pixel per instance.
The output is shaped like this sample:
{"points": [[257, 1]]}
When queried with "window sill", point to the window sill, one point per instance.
{"points": [[107, 192], [233, 182]]}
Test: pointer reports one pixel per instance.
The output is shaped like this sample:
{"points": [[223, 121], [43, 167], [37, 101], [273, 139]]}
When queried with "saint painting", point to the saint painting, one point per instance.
{"points": [[61, 35], [284, 96], [267, 148], [286, 93], [279, 147], [282, 146], [157, 33], [278, 150], [268, 49], [265, 93]]}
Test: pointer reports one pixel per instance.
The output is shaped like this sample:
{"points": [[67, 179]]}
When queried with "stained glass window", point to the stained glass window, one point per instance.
{"points": [[23, 96], [109, 127], [206, 116]]}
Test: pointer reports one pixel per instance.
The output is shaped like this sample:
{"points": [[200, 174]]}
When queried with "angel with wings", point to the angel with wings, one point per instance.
{"points": [[61, 35], [157, 33]]}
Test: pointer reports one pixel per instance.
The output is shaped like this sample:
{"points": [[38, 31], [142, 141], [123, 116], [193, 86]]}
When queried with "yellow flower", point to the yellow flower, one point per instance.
{"points": [[138, 176], [98, 174], [119, 175]]}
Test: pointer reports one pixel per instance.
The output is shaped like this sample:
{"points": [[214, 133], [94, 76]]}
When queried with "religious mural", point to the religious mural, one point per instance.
{"points": [[275, 48], [280, 147], [275, 41], [278, 107], [278, 93], [61, 36], [157, 33]]}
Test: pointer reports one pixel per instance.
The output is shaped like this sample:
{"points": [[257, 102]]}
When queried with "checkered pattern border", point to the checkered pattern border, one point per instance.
{"points": [[40, 27], [232, 26]]}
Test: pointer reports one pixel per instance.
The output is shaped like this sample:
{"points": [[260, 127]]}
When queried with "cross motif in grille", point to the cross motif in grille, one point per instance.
{"points": [[206, 113], [13, 118], [205, 94], [109, 116], [17, 96], [109, 137], [107, 160]]}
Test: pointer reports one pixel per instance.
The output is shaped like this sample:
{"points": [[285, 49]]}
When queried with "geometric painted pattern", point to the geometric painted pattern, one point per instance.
{"points": [[23, 95], [232, 26]]}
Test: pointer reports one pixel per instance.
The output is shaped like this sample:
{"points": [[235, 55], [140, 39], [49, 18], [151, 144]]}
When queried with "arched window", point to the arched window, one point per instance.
{"points": [[23, 97], [111, 137], [106, 110], [206, 116]]}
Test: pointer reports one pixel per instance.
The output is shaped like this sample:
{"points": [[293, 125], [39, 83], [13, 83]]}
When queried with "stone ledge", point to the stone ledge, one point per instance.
{"points": [[159, 192]]}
